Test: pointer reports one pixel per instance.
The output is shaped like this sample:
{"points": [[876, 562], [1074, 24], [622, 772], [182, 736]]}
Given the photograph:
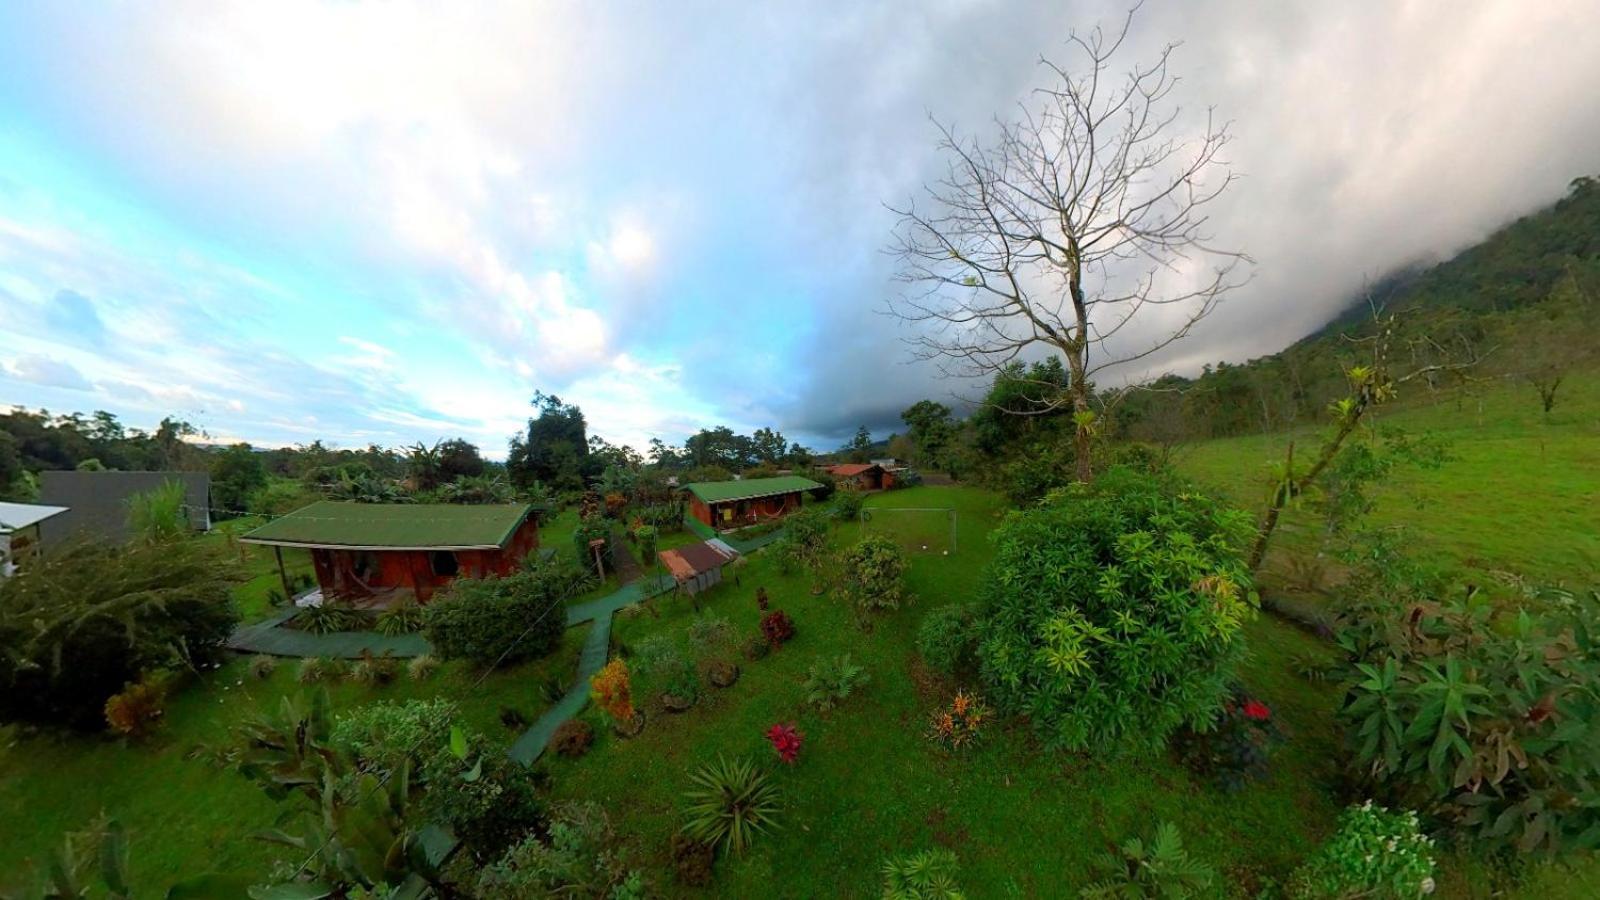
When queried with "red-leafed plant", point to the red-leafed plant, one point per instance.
{"points": [[777, 627], [786, 739]]}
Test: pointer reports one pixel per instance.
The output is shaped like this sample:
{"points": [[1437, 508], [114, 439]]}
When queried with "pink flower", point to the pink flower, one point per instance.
{"points": [[786, 740], [1255, 709]]}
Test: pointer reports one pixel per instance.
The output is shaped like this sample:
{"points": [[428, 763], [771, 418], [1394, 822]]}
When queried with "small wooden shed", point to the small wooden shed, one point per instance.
{"points": [[861, 476], [697, 567], [751, 501], [380, 551], [19, 533]]}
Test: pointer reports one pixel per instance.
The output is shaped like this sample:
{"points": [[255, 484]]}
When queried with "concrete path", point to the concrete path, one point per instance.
{"points": [[596, 649], [271, 637]]}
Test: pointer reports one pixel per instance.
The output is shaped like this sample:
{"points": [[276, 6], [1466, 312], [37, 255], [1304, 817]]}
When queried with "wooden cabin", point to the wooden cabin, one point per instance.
{"points": [[376, 552], [697, 567], [752, 501], [861, 477]]}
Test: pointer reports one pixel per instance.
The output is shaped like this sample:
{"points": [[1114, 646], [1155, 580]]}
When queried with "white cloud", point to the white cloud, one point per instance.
{"points": [[47, 372]]}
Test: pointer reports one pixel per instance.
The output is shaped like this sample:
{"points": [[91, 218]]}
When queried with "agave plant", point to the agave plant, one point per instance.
{"points": [[731, 801]]}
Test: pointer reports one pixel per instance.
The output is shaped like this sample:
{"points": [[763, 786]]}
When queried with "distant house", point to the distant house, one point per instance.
{"points": [[861, 477], [734, 504], [19, 533], [97, 502], [378, 552], [888, 462]]}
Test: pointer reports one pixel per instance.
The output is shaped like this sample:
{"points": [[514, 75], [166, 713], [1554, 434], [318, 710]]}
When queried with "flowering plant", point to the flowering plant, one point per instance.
{"points": [[958, 725], [786, 740], [1239, 748], [1375, 853], [612, 692], [777, 627]]}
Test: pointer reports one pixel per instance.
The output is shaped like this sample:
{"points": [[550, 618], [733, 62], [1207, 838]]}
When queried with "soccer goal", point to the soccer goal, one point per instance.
{"points": [[916, 530]]}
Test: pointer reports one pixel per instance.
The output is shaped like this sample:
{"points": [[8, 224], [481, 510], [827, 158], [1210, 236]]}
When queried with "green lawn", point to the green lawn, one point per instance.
{"points": [[1522, 494]]}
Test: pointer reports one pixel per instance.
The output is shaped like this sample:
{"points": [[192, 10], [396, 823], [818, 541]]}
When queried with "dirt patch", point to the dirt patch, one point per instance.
{"points": [[932, 686], [946, 834]]}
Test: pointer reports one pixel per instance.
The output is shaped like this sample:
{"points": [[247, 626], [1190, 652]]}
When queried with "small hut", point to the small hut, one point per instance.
{"points": [[697, 567], [19, 533], [861, 477], [378, 552], [751, 501]]}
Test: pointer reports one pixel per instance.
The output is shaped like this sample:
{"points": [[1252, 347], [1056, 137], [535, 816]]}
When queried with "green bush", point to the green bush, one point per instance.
{"points": [[929, 875], [873, 573], [1159, 867], [831, 681], [1113, 614], [88, 619], [489, 800], [847, 508], [492, 621], [329, 617], [1485, 715], [382, 736], [580, 857], [403, 617], [592, 529], [948, 638], [1375, 853], [647, 537]]}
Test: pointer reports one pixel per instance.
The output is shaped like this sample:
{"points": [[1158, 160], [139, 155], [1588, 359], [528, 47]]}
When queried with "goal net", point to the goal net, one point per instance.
{"points": [[915, 530]]}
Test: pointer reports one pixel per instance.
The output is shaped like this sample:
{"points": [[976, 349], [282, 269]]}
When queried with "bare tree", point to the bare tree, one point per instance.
{"points": [[1083, 211]]}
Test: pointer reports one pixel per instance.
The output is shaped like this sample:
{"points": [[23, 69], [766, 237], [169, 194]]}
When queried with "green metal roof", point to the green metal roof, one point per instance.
{"points": [[750, 488], [394, 526]]}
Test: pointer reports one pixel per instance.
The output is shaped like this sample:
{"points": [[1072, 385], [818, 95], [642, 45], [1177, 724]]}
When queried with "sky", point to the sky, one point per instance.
{"points": [[384, 222]]}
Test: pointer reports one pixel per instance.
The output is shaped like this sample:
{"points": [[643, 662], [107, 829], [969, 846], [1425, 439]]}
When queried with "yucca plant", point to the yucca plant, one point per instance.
{"points": [[1159, 867], [404, 617], [731, 802], [929, 875]]}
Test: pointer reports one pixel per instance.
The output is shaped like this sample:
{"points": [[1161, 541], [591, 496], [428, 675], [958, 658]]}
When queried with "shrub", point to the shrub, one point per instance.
{"points": [[487, 798], [873, 572], [400, 618], [262, 666], [730, 802], [422, 668], [573, 738], [1157, 868], [578, 858], [826, 485], [830, 681], [373, 671], [647, 537], [777, 628], [88, 619], [710, 633], [805, 544], [136, 710], [948, 640], [1375, 853], [318, 668], [328, 618], [383, 736], [499, 620], [757, 647], [786, 741], [929, 875], [1238, 749], [612, 692], [513, 718], [592, 529], [1112, 614], [961, 724], [1485, 717], [848, 507]]}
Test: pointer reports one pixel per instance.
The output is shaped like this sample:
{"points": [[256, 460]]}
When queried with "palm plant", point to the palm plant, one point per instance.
{"points": [[731, 802], [478, 489], [1157, 868], [929, 875], [423, 465], [830, 682]]}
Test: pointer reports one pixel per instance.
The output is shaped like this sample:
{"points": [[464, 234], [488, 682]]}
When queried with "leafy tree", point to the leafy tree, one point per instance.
{"points": [[873, 573], [554, 449], [458, 458], [931, 430], [860, 446], [1113, 614], [89, 618], [236, 474], [10, 464]]}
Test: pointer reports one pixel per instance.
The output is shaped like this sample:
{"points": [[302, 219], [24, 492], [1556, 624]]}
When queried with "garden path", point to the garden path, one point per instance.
{"points": [[272, 637], [596, 648]]}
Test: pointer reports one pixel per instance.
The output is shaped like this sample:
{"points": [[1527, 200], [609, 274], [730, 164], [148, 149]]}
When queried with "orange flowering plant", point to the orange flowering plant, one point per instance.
{"points": [[612, 691], [959, 724]]}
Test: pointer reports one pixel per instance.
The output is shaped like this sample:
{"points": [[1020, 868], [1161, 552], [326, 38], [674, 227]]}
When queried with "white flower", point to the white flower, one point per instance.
{"points": [[1428, 885]]}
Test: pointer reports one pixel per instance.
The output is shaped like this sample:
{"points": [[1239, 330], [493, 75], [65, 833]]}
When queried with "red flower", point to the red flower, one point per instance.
{"points": [[786, 740], [1255, 709]]}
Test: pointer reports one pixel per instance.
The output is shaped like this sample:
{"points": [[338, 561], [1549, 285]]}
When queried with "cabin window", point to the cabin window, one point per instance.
{"points": [[444, 563], [364, 565]]}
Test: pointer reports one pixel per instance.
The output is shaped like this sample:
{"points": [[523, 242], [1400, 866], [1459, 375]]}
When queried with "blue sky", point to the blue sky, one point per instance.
{"points": [[370, 222]]}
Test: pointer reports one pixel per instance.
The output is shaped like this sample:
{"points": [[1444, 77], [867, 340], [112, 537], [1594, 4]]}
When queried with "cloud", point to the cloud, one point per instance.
{"points": [[400, 220], [47, 372]]}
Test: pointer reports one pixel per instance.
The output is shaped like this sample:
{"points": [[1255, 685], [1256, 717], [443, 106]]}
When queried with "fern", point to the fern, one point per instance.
{"points": [[1159, 867], [929, 875], [831, 682]]}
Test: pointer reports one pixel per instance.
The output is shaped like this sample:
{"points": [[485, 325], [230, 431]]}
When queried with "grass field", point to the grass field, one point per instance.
{"points": [[1521, 495]]}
